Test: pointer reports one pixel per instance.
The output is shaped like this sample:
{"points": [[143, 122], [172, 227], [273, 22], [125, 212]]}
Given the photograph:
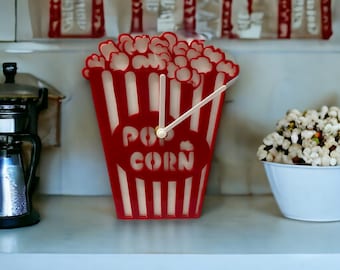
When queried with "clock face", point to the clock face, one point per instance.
{"points": [[132, 119], [137, 149]]}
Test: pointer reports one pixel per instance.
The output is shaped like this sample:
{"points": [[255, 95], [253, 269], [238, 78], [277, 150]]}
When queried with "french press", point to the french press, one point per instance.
{"points": [[20, 148]]}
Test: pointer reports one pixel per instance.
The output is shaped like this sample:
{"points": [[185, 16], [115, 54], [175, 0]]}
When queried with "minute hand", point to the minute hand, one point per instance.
{"points": [[162, 132]]}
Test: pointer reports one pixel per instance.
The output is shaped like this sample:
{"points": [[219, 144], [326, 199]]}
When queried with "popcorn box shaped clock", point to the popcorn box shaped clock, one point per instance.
{"points": [[158, 102]]}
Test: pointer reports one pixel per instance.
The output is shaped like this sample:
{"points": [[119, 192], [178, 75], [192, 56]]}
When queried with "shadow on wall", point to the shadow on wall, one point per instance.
{"points": [[239, 171]]}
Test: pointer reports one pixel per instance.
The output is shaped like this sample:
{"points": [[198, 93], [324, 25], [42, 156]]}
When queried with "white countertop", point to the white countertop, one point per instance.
{"points": [[234, 232]]}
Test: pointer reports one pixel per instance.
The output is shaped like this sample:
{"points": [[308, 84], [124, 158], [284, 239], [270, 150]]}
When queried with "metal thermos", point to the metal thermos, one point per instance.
{"points": [[20, 148]]}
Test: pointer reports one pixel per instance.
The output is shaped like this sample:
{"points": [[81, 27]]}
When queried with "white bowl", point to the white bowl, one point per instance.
{"points": [[302, 192]]}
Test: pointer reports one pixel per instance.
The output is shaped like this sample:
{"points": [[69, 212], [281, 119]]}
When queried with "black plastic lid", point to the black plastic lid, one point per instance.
{"points": [[10, 89]]}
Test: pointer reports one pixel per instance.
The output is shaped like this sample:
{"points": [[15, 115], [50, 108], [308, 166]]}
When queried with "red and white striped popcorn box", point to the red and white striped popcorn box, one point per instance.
{"points": [[153, 177]]}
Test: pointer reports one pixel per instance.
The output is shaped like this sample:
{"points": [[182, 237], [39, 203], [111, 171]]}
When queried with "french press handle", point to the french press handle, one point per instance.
{"points": [[30, 171]]}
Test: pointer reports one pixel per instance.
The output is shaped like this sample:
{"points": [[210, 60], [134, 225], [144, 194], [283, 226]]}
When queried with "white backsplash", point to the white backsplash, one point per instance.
{"points": [[269, 85]]}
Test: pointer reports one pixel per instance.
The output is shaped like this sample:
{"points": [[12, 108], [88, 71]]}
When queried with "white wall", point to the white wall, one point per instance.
{"points": [[275, 76]]}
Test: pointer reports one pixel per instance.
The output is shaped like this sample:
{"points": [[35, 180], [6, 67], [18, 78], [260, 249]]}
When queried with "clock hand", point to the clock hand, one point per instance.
{"points": [[162, 132], [161, 111]]}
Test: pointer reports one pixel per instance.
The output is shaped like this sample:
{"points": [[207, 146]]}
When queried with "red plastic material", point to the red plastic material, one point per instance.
{"points": [[153, 178]]}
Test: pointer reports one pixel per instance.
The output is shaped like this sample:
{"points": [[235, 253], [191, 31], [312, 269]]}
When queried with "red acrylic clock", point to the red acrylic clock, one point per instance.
{"points": [[158, 102]]}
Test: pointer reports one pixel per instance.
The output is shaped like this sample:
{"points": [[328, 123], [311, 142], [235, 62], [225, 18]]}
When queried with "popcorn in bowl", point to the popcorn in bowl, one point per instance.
{"points": [[311, 137], [301, 159]]}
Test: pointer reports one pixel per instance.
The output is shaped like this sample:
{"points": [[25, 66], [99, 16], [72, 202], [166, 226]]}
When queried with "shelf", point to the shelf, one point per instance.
{"points": [[234, 232], [300, 46], [50, 45], [236, 46]]}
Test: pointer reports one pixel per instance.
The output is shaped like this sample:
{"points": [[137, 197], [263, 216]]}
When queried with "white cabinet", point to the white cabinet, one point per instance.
{"points": [[235, 232], [7, 20]]}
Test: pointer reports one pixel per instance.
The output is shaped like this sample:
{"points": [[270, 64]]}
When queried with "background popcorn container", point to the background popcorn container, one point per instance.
{"points": [[152, 177]]}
